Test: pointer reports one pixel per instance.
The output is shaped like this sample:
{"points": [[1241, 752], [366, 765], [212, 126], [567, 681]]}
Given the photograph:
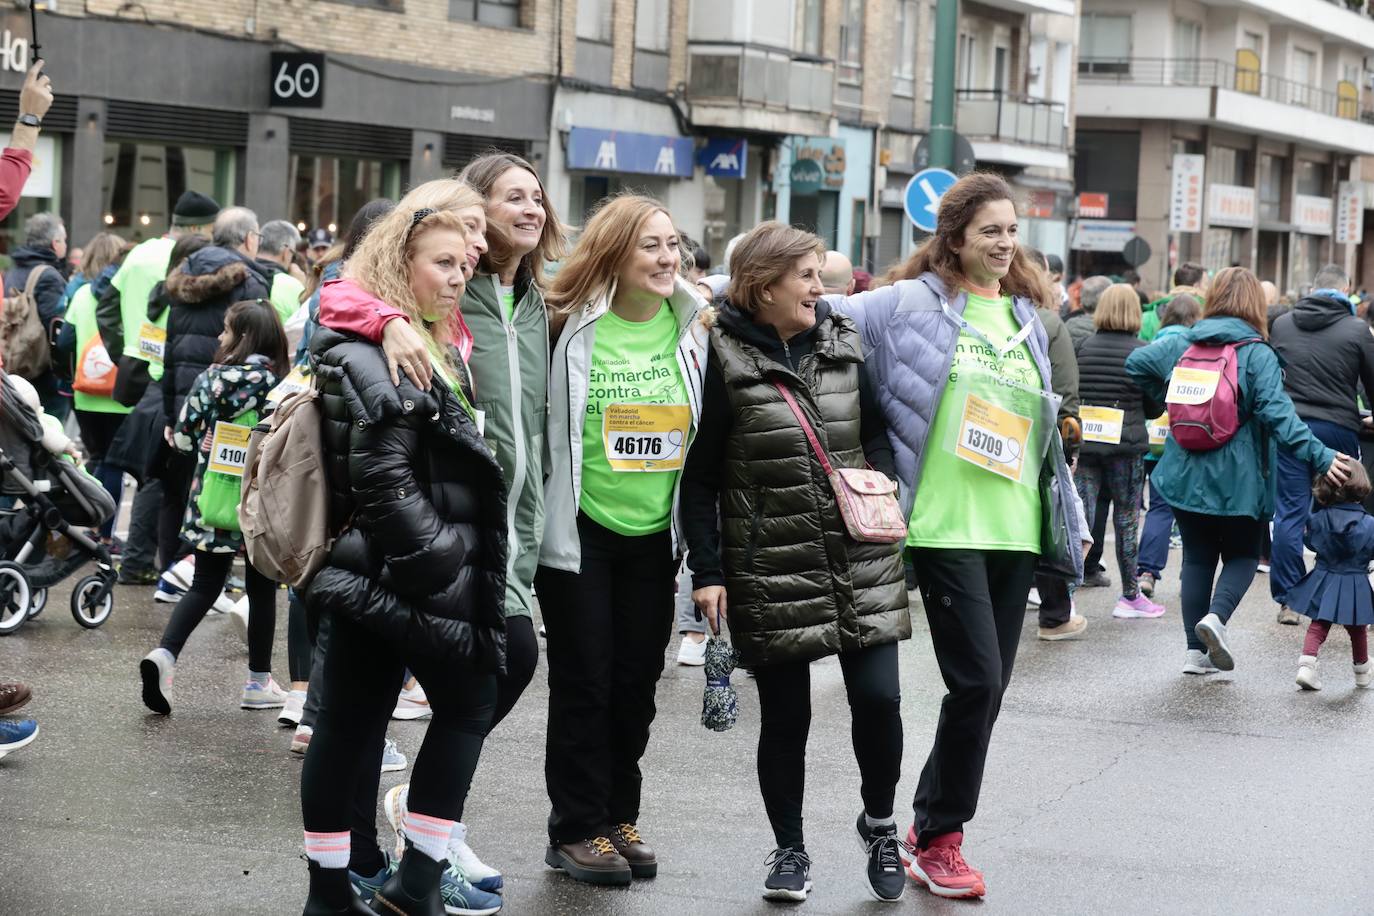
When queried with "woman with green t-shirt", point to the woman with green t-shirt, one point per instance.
{"points": [[624, 402], [961, 364], [97, 412]]}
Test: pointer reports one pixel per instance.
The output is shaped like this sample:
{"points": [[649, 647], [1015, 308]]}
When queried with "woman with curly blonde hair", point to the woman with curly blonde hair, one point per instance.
{"points": [[416, 577]]}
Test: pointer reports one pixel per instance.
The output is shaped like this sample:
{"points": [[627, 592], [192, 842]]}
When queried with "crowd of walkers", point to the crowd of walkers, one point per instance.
{"points": [[507, 414]]}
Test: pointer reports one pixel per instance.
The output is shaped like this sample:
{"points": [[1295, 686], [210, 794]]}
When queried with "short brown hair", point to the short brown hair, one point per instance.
{"points": [[1354, 490], [1236, 293], [762, 257], [1118, 309]]}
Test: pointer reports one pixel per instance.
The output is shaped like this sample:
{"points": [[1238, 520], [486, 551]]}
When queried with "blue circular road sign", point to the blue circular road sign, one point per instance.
{"points": [[922, 196]]}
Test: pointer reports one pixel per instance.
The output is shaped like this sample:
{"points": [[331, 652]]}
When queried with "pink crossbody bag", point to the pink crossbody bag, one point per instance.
{"points": [[867, 498]]}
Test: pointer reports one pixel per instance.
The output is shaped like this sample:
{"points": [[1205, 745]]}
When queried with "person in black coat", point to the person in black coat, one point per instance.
{"points": [[417, 576], [45, 249], [1328, 355], [1113, 411]]}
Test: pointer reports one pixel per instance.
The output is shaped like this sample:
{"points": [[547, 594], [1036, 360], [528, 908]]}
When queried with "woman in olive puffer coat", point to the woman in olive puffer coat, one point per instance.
{"points": [[416, 580], [781, 566]]}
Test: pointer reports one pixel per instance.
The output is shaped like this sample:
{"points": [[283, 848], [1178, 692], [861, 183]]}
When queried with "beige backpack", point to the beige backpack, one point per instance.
{"points": [[23, 339], [284, 509]]}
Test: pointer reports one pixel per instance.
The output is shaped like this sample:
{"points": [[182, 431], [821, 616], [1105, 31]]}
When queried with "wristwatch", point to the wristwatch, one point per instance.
{"points": [[30, 120]]}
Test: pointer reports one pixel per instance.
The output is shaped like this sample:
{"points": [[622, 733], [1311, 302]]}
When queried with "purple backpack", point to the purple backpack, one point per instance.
{"points": [[1203, 397]]}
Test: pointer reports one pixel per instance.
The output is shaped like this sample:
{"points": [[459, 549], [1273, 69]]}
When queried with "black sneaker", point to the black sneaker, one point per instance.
{"points": [[886, 877], [1096, 579], [789, 875]]}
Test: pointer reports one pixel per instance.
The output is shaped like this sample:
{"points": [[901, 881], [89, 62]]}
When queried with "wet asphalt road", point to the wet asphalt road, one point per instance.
{"points": [[1115, 784]]}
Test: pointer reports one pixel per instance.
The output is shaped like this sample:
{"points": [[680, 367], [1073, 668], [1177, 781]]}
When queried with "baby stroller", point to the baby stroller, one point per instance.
{"points": [[42, 537]]}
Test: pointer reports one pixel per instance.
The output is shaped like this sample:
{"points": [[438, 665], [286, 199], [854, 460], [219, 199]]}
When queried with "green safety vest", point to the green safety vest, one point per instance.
{"points": [[286, 295], [81, 315]]}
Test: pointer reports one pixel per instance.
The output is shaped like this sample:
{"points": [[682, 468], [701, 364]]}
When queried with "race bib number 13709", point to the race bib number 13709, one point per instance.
{"points": [[993, 438]]}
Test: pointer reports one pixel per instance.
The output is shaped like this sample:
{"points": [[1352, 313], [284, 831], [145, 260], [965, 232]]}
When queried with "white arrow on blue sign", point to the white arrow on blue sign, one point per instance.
{"points": [[922, 196]]}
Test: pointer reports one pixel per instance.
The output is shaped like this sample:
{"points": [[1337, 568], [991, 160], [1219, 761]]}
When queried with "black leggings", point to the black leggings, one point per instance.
{"points": [[1234, 541], [522, 656], [361, 674], [875, 701], [212, 571]]}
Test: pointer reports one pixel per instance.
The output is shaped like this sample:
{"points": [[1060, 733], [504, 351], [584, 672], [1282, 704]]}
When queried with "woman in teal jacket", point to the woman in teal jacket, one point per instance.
{"points": [[1223, 498]]}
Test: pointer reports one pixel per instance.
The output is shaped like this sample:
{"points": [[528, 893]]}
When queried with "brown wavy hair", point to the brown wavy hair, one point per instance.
{"points": [[482, 173], [1354, 490], [381, 263], [937, 255], [606, 244], [1236, 293]]}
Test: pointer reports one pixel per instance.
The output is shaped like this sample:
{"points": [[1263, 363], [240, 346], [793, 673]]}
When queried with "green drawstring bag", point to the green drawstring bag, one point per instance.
{"points": [[220, 489]]}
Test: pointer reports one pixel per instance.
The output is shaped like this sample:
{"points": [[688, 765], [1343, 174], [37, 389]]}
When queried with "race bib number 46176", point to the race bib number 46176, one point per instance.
{"points": [[993, 438], [646, 437]]}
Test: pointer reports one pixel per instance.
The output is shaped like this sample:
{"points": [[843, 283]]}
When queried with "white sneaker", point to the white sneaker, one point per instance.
{"points": [[1364, 674], [1033, 599], [393, 760], [412, 704], [238, 613], [225, 605], [181, 573], [691, 652], [460, 854], [1197, 662], [293, 710], [262, 696], [1307, 673]]}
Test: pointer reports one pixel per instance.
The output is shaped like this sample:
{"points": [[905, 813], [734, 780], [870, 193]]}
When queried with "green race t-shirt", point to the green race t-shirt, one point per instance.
{"points": [[286, 295], [630, 489], [960, 505], [508, 300]]}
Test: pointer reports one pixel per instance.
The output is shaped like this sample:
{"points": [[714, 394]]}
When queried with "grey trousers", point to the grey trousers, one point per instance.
{"points": [[140, 550], [687, 621]]}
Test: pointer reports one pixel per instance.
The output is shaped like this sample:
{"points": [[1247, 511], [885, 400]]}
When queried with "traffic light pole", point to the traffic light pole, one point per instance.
{"points": [[942, 96]]}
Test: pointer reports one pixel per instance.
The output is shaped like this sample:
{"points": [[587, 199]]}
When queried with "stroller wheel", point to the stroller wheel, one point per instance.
{"points": [[92, 601], [14, 597], [38, 600]]}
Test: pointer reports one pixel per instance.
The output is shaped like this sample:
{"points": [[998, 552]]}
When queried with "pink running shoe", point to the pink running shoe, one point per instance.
{"points": [[941, 869], [1139, 606]]}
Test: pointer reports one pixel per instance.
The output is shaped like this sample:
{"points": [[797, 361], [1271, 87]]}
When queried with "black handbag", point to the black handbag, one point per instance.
{"points": [[1056, 535]]}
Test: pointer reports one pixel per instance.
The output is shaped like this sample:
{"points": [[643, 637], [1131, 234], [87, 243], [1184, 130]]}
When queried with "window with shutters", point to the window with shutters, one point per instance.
{"points": [[851, 64], [594, 20], [904, 54], [504, 13]]}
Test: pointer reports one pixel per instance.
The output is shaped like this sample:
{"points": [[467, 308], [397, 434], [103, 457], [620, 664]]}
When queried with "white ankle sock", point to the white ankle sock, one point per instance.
{"points": [[331, 850], [875, 822], [428, 834]]}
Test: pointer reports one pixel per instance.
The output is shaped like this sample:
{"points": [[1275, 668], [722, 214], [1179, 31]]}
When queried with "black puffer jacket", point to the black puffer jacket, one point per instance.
{"points": [[1327, 353], [421, 561], [1104, 382], [201, 290]]}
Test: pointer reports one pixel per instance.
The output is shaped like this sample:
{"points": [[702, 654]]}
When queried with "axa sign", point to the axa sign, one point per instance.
{"points": [[627, 152], [725, 157]]}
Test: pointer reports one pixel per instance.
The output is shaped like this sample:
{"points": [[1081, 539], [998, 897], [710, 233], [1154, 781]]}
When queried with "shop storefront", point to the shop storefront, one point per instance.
{"points": [[824, 184]]}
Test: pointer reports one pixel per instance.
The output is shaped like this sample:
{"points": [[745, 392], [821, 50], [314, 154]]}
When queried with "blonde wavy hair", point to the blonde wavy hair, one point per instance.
{"points": [[605, 247], [381, 263]]}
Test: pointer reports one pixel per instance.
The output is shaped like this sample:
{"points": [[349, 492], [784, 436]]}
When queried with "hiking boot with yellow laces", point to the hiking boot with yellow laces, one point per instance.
{"points": [[631, 846], [593, 860]]}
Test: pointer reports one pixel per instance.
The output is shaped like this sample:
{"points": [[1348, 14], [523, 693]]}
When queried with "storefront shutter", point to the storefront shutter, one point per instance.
{"points": [[353, 141], [460, 149], [175, 124]]}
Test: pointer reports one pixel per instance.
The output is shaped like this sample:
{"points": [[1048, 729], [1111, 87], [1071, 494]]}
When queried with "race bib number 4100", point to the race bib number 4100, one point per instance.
{"points": [[229, 451], [1192, 386], [645, 437], [993, 438]]}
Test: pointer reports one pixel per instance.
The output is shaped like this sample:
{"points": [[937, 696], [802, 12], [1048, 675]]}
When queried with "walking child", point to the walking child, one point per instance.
{"points": [[1337, 590], [223, 404]]}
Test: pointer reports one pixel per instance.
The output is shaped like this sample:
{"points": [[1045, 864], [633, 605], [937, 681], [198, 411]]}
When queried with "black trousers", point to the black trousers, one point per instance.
{"points": [[361, 675], [212, 571], [975, 602], [608, 627], [176, 491], [1099, 531], [1056, 604], [875, 707]]}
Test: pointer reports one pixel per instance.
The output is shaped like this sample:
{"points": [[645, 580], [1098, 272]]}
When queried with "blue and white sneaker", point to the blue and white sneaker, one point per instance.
{"points": [[393, 761], [460, 855], [166, 592], [365, 886], [462, 899], [16, 733]]}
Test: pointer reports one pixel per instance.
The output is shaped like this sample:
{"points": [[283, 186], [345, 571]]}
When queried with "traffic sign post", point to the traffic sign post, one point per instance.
{"points": [[922, 196]]}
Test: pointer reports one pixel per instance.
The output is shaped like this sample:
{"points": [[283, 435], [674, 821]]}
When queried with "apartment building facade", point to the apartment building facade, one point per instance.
{"points": [[1272, 95]]}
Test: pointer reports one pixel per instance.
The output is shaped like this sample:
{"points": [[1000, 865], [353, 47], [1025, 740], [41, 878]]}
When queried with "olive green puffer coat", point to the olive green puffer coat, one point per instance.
{"points": [[799, 588]]}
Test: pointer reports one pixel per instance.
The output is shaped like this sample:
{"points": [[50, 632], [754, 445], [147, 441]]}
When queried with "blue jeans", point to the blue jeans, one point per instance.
{"points": [[1293, 504], [1154, 538]]}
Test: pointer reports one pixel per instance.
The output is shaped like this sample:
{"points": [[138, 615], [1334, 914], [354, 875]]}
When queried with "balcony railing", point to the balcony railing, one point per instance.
{"points": [[1200, 72], [754, 75], [997, 115]]}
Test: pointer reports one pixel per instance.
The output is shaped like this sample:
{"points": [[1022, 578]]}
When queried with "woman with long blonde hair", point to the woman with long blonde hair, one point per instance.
{"points": [[624, 403], [416, 577]]}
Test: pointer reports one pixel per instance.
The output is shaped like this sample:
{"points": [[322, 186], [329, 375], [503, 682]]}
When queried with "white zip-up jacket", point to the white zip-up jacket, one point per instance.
{"points": [[568, 382]]}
